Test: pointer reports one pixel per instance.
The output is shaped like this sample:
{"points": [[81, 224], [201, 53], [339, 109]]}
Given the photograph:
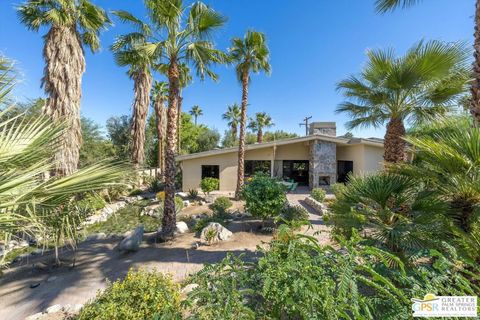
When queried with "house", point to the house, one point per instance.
{"points": [[316, 160]]}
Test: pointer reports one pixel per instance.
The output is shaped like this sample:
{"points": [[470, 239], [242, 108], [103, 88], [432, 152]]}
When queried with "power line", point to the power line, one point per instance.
{"points": [[305, 123]]}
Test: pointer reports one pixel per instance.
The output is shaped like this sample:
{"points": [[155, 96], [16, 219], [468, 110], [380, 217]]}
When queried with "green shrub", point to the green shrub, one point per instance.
{"points": [[92, 201], [141, 295], [193, 194], [156, 185], [135, 192], [209, 184], [294, 213], [221, 205], [178, 203], [265, 197], [318, 194], [202, 223], [338, 189]]}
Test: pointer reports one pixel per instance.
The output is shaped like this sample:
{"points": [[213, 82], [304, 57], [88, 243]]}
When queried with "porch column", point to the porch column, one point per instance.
{"points": [[272, 161]]}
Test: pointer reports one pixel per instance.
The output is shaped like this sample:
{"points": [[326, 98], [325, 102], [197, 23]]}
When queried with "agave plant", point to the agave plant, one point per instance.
{"points": [[392, 212], [30, 200]]}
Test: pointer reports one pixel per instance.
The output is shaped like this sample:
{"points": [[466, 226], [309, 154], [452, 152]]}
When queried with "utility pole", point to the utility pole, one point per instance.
{"points": [[305, 123]]}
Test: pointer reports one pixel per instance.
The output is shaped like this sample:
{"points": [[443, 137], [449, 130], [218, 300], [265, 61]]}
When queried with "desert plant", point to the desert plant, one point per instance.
{"points": [[193, 194], [209, 184], [156, 185], [160, 196], [202, 223], [318, 194], [210, 235], [264, 196], [135, 192], [92, 201], [294, 213], [141, 295], [338, 189], [221, 205]]}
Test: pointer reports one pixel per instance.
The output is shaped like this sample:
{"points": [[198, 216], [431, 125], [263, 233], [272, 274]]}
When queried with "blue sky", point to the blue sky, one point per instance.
{"points": [[314, 44]]}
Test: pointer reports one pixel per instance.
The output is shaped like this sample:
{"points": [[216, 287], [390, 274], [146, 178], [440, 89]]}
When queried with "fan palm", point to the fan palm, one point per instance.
{"points": [[386, 5], [250, 54], [393, 212], [414, 88], [447, 159], [233, 115], [73, 25], [158, 98], [30, 201], [129, 50], [196, 111], [262, 120], [187, 31]]}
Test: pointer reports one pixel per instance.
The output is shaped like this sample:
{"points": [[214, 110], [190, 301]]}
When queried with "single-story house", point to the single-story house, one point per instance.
{"points": [[318, 159]]}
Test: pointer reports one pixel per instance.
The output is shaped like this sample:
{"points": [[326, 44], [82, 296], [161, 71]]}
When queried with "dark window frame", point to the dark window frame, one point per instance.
{"points": [[210, 171]]}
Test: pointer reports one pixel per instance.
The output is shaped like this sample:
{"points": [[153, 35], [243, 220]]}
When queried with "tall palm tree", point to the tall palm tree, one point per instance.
{"points": [[196, 111], [129, 50], [414, 88], [262, 120], [250, 54], [73, 25], [159, 96], [386, 5], [185, 80], [233, 116], [187, 31]]}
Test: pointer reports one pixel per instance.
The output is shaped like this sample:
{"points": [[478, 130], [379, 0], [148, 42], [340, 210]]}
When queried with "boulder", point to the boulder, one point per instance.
{"points": [[132, 241], [182, 195], [220, 233], [182, 227], [54, 309], [186, 203], [209, 198], [96, 236]]}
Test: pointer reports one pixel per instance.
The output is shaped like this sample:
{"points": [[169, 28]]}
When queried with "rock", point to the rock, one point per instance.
{"points": [[34, 285], [36, 252], [54, 309], [96, 236], [12, 244], [35, 316], [23, 244], [221, 233], [186, 203], [182, 227], [209, 199], [182, 195], [51, 279], [76, 308], [133, 240], [188, 288]]}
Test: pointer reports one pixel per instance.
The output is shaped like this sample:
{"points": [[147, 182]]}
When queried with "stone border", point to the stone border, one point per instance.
{"points": [[316, 205]]}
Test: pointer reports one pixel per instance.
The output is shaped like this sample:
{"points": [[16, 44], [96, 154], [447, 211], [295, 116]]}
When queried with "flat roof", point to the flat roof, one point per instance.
{"points": [[338, 140]]}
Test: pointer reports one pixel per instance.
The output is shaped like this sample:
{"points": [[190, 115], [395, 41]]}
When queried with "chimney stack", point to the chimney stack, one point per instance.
{"points": [[325, 128]]}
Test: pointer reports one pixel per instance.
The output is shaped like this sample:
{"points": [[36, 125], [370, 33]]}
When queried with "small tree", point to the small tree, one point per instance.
{"points": [[209, 184], [265, 197]]}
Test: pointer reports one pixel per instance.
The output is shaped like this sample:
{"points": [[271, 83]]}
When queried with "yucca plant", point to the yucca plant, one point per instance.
{"points": [[30, 200], [392, 212]]}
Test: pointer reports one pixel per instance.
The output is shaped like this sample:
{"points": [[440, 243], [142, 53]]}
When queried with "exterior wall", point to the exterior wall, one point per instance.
{"points": [[373, 159], [366, 159], [323, 162], [295, 151]]}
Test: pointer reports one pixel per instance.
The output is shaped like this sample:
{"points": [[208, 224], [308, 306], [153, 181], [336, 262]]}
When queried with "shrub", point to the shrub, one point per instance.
{"points": [[318, 194], [221, 205], [178, 203], [202, 223], [156, 185], [294, 213], [338, 189], [193, 194], [265, 197], [135, 192], [209, 184], [141, 295], [160, 196], [92, 201]]}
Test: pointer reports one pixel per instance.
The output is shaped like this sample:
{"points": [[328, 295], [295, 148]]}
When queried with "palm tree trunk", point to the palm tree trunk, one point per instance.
{"points": [[234, 131], [160, 117], [62, 81], [394, 143], [169, 218], [475, 89], [142, 86], [179, 119], [260, 135], [241, 142], [196, 120]]}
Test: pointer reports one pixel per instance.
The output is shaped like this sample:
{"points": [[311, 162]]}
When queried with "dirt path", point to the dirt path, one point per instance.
{"points": [[98, 262]]}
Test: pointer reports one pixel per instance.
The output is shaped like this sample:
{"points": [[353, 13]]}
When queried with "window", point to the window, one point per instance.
{"points": [[209, 171], [254, 166]]}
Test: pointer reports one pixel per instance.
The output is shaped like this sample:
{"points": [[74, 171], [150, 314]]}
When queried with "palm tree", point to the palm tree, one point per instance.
{"points": [[415, 88], [158, 98], [73, 25], [233, 116], [195, 112], [129, 50], [386, 5], [186, 43], [250, 54], [262, 120]]}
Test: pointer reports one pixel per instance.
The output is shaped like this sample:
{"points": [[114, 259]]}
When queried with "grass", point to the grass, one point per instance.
{"points": [[125, 219], [11, 255]]}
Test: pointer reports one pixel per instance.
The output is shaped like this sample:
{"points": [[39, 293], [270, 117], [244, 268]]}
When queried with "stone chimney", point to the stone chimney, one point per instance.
{"points": [[325, 128]]}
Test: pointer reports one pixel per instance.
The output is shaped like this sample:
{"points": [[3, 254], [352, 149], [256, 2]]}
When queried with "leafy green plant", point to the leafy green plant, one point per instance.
{"points": [[264, 196], [178, 203], [221, 205], [156, 185], [92, 201], [209, 184], [141, 295], [193, 194], [338, 189], [294, 213], [318, 194], [210, 235]]}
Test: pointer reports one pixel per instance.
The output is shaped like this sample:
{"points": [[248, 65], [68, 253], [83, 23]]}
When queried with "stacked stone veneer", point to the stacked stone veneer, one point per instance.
{"points": [[323, 162]]}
